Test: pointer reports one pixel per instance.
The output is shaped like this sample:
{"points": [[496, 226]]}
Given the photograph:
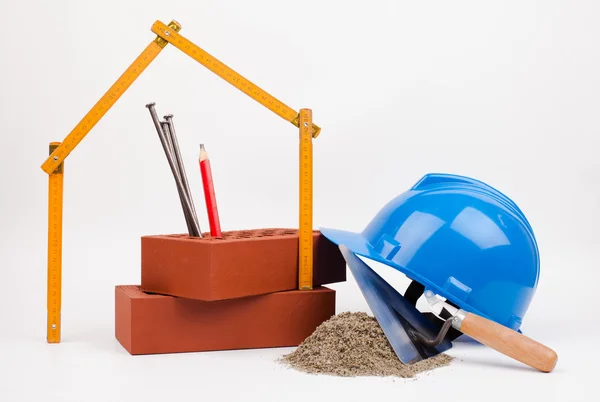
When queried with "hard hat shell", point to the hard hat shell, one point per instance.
{"points": [[460, 238]]}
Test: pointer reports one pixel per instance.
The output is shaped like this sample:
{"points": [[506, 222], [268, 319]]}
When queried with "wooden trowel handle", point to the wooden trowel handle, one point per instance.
{"points": [[509, 342]]}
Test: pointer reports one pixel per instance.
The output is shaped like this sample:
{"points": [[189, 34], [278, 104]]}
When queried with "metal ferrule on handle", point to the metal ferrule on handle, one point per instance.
{"points": [[458, 319]]}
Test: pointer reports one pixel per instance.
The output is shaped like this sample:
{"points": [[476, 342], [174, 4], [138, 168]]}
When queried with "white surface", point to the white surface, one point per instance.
{"points": [[506, 92]]}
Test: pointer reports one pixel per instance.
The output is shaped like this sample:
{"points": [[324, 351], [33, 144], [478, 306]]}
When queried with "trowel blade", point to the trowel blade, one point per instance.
{"points": [[395, 314]]}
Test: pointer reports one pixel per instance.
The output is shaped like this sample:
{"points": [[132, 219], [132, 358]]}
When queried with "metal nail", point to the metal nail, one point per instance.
{"points": [[188, 214], [179, 161], [163, 141]]}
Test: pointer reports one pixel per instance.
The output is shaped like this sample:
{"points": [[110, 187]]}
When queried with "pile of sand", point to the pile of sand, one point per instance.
{"points": [[353, 344]]}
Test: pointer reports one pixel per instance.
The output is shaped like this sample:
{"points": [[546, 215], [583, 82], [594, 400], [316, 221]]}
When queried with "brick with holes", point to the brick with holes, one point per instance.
{"points": [[242, 263]]}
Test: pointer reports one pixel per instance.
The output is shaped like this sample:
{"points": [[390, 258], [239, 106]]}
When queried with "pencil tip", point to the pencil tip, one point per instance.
{"points": [[202, 155]]}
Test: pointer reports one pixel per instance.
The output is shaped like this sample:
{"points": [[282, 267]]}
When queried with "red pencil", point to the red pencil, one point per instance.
{"points": [[209, 194]]}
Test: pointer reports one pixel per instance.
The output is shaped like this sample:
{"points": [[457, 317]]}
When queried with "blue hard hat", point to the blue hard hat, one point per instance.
{"points": [[460, 238]]}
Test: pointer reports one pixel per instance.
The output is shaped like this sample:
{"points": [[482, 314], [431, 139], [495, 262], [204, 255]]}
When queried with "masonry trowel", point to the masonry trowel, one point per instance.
{"points": [[497, 336], [404, 326], [414, 336]]}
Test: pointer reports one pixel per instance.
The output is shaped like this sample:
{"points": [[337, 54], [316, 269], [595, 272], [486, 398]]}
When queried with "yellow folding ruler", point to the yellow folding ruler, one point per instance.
{"points": [[170, 34], [166, 34], [55, 211], [306, 205]]}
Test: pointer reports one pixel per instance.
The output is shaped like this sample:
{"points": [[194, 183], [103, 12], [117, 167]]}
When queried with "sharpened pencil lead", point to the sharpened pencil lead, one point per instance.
{"points": [[202, 155]]}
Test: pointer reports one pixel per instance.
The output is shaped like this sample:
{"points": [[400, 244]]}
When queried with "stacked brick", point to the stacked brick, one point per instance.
{"points": [[238, 292]]}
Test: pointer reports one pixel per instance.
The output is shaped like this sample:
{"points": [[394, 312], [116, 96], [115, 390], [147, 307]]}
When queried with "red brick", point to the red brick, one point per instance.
{"points": [[153, 324], [243, 263]]}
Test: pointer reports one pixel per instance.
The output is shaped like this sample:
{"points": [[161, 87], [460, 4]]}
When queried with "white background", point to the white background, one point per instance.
{"points": [[505, 92]]}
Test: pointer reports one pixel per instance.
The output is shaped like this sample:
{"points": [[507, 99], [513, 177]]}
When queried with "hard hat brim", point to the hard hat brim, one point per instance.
{"points": [[355, 242]]}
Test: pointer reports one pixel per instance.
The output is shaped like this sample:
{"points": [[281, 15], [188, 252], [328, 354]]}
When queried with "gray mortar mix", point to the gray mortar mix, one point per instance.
{"points": [[353, 344]]}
